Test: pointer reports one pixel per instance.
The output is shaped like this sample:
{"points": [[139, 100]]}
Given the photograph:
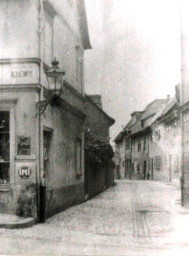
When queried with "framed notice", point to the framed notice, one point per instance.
{"points": [[23, 145]]}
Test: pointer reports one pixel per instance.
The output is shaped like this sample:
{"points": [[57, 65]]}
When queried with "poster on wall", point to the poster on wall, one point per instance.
{"points": [[23, 145]]}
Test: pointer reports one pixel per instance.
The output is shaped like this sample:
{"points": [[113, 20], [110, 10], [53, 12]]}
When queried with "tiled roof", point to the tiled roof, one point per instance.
{"points": [[153, 111]]}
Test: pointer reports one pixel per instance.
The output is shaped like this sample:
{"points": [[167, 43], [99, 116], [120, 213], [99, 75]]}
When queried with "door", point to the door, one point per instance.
{"points": [[126, 168], [152, 168], [47, 135], [144, 170]]}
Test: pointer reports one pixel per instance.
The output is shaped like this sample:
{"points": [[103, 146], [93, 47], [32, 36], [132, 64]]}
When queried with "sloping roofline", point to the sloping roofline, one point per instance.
{"points": [[110, 119]]}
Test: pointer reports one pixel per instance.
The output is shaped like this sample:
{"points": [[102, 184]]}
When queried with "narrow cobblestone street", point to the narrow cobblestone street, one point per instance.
{"points": [[131, 218]]}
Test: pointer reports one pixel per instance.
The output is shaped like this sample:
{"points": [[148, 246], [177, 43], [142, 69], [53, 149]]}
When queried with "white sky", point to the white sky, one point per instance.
{"points": [[135, 56]]}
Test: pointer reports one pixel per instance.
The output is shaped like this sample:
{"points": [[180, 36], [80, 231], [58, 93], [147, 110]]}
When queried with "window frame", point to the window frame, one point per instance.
{"points": [[9, 105]]}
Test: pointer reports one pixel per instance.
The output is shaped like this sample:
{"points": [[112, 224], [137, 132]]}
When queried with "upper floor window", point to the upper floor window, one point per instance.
{"points": [[139, 146], [144, 147], [127, 143], [79, 69]]}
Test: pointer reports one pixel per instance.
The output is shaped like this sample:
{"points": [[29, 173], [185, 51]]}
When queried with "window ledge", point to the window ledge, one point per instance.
{"points": [[25, 157]]}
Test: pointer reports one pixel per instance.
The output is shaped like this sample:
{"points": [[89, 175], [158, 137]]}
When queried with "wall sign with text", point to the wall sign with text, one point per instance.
{"points": [[24, 172]]}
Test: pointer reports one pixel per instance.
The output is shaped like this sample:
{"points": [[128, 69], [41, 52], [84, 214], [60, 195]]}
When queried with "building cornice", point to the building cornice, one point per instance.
{"points": [[20, 87], [20, 60]]}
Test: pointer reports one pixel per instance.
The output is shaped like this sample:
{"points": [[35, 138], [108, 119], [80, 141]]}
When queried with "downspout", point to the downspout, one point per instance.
{"points": [[40, 130]]}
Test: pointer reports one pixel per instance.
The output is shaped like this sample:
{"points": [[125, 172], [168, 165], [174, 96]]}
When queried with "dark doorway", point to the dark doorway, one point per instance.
{"points": [[47, 136], [144, 172], [152, 168]]}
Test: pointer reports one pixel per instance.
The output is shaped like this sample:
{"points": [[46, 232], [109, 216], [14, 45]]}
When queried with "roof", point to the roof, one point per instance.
{"points": [[110, 119], [151, 110], [153, 107], [149, 115]]}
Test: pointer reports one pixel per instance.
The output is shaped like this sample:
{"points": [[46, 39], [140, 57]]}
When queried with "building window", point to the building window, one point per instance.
{"points": [[4, 147], [133, 146], [79, 69], [144, 147], [78, 158], [127, 143], [138, 168], [139, 146], [158, 162]]}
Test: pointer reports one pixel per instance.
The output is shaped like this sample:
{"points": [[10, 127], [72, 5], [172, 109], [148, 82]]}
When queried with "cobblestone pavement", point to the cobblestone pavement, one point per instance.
{"points": [[138, 218]]}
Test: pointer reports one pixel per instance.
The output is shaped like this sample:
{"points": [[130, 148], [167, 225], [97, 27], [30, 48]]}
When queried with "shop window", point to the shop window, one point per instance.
{"points": [[4, 147], [78, 158]]}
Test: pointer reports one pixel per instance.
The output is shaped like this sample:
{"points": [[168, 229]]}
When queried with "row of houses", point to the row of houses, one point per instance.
{"points": [[149, 146], [44, 119]]}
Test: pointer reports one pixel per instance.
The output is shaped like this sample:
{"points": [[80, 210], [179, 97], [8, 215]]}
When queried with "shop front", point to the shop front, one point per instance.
{"points": [[41, 156]]}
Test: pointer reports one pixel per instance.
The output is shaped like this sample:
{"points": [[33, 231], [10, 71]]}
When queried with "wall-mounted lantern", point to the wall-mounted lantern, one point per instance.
{"points": [[55, 82]]}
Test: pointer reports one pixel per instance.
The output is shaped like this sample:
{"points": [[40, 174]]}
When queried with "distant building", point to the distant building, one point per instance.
{"points": [[165, 148], [149, 146]]}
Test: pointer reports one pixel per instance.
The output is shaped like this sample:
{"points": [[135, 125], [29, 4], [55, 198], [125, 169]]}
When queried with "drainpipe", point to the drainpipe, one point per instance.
{"points": [[40, 128]]}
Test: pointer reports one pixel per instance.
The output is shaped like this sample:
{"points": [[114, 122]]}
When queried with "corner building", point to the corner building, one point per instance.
{"points": [[44, 151]]}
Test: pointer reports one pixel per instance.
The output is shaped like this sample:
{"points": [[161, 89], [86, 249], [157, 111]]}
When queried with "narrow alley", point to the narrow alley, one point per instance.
{"points": [[131, 218]]}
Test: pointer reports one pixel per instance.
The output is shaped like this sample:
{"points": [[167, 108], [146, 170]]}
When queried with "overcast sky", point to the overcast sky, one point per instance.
{"points": [[136, 54]]}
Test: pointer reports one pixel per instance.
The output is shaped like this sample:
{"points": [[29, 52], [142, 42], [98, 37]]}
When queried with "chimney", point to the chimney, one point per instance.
{"points": [[177, 92], [168, 97], [97, 99]]}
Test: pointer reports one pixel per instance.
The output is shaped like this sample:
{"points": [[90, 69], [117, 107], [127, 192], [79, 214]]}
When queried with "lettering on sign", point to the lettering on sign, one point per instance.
{"points": [[24, 172], [17, 74]]}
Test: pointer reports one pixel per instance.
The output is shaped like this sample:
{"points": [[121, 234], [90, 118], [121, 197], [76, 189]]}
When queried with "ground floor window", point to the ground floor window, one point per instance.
{"points": [[4, 147]]}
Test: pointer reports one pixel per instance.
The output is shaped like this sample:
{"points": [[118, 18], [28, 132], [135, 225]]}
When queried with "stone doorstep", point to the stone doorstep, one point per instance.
{"points": [[13, 222]]}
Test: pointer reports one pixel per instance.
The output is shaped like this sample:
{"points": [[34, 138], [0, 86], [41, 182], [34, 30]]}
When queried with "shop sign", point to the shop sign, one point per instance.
{"points": [[24, 172], [25, 73]]}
